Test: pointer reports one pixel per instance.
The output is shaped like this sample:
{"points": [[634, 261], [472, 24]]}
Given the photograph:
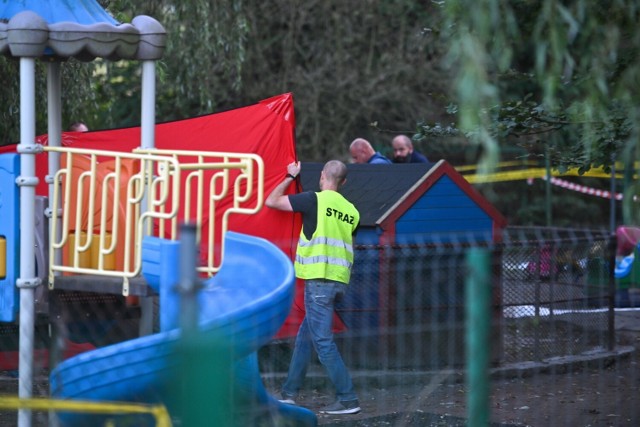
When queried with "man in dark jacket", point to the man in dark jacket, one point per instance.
{"points": [[403, 151]]}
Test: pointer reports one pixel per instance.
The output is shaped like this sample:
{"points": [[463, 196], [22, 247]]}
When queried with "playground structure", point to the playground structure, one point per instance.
{"points": [[116, 233], [58, 31], [627, 268], [101, 205]]}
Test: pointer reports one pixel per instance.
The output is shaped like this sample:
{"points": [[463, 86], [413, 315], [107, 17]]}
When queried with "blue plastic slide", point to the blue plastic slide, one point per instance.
{"points": [[209, 374]]}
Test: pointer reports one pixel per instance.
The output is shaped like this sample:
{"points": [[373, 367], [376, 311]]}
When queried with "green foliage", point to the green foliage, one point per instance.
{"points": [[471, 80], [525, 204], [559, 78], [348, 64], [77, 102], [205, 56], [10, 102]]}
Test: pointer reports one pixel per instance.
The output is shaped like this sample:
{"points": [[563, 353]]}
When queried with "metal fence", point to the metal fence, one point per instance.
{"points": [[551, 297], [556, 356], [552, 291], [557, 293]]}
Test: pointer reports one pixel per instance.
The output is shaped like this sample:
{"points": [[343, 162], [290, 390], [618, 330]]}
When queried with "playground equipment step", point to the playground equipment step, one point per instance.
{"points": [[103, 284]]}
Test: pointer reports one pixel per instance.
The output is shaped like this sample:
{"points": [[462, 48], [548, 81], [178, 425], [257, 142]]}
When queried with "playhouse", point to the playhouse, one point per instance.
{"points": [[410, 215]]}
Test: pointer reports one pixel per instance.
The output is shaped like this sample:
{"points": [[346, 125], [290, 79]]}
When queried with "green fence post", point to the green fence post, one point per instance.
{"points": [[205, 363], [478, 314]]}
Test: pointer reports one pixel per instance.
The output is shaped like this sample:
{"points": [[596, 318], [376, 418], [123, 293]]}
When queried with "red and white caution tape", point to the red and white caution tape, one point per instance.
{"points": [[583, 189]]}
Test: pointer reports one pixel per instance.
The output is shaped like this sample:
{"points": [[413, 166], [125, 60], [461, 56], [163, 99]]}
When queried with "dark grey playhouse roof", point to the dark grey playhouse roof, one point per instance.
{"points": [[383, 193], [373, 189]]}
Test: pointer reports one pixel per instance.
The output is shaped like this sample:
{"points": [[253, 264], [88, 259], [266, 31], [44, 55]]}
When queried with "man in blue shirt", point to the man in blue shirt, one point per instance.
{"points": [[361, 151], [403, 151]]}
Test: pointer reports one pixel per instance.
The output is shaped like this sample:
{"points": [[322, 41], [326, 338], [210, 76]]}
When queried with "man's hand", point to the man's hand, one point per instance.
{"points": [[294, 168], [277, 199]]}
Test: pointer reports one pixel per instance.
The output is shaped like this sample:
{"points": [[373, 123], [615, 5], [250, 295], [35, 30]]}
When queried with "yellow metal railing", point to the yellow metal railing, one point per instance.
{"points": [[208, 176], [159, 412], [3, 257], [107, 201]]}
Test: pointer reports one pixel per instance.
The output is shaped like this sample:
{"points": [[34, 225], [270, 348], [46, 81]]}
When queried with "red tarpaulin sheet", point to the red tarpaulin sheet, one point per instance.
{"points": [[266, 129]]}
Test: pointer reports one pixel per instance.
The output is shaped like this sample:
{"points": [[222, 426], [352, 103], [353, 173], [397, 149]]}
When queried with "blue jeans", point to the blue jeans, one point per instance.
{"points": [[315, 334]]}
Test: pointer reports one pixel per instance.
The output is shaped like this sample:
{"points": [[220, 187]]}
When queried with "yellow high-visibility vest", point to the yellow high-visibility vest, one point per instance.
{"points": [[329, 252]]}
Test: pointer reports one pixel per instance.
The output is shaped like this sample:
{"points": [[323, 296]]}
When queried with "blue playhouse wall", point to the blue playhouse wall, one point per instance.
{"points": [[10, 232], [418, 279], [445, 213], [359, 308]]}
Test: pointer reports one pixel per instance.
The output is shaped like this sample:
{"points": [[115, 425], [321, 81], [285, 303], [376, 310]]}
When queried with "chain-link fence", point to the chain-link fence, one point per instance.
{"points": [[405, 305], [552, 295], [552, 290], [557, 293]]}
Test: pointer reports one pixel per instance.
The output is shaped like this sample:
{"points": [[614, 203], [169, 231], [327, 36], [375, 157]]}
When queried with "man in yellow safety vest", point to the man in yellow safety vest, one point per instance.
{"points": [[324, 258]]}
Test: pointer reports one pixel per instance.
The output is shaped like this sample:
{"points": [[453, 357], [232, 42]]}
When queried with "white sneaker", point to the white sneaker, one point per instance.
{"points": [[287, 399], [342, 408]]}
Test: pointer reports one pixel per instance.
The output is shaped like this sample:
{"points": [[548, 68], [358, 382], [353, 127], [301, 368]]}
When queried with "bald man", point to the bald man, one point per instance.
{"points": [[324, 258], [403, 151], [78, 127], [361, 151]]}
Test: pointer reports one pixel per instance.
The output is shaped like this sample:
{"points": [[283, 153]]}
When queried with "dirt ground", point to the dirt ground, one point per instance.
{"points": [[597, 392], [581, 396], [602, 392]]}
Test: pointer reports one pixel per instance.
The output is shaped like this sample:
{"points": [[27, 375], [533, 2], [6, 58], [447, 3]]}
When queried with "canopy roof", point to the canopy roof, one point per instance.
{"points": [[81, 29]]}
